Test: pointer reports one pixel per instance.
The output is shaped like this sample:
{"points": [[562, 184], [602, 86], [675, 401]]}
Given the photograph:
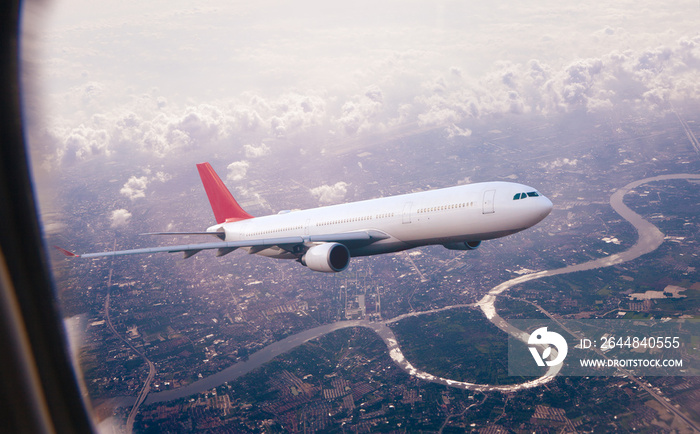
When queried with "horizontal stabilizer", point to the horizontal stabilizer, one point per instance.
{"points": [[66, 252]]}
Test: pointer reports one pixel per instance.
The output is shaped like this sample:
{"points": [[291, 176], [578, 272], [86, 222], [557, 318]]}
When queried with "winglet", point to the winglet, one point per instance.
{"points": [[225, 207], [66, 252]]}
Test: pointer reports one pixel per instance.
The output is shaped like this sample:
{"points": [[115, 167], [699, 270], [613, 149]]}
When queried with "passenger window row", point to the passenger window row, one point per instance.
{"points": [[444, 207], [271, 231], [348, 220]]}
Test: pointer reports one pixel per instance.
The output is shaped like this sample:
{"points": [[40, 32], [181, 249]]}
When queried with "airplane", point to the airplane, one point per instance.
{"points": [[324, 239]]}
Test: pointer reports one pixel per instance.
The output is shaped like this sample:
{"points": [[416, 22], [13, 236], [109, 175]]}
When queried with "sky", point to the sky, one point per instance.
{"points": [[161, 79]]}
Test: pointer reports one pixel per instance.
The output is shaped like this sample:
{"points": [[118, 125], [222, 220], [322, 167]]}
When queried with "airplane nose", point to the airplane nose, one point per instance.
{"points": [[547, 206]]}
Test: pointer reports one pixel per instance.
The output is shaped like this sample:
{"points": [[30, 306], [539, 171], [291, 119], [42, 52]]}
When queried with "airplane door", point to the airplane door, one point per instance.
{"points": [[488, 202], [306, 226], [407, 212]]}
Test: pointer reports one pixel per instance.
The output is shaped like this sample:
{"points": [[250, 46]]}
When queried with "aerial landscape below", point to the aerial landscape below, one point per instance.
{"points": [[192, 321]]}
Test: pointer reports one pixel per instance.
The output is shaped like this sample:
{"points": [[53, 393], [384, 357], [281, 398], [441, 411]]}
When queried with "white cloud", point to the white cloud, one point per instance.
{"points": [[294, 112], [363, 113], [202, 125], [146, 125], [120, 217], [135, 188], [559, 162], [163, 177], [464, 181], [237, 170], [82, 143], [455, 131], [436, 116], [327, 194], [245, 119], [639, 80], [256, 151]]}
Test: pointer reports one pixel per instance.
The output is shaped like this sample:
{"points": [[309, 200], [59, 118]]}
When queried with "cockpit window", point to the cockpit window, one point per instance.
{"points": [[525, 195]]}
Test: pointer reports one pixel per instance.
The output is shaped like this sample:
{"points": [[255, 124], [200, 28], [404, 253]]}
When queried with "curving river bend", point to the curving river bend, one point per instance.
{"points": [[649, 239]]}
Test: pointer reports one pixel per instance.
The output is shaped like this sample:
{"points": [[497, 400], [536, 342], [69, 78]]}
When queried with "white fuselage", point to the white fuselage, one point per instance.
{"points": [[466, 213]]}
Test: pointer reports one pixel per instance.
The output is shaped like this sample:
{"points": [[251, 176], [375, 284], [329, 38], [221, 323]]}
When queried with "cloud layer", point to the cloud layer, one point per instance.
{"points": [[151, 81]]}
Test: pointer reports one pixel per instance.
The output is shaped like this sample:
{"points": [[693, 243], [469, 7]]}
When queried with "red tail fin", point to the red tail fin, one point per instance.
{"points": [[222, 202]]}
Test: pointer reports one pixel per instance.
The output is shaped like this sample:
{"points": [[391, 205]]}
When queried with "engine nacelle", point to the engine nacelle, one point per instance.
{"points": [[327, 258], [467, 245]]}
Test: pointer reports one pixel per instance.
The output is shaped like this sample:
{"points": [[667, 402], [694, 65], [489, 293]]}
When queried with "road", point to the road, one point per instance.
{"points": [[151, 367]]}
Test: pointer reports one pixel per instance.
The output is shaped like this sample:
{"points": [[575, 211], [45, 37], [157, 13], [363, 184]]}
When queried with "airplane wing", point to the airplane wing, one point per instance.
{"points": [[220, 235], [295, 244]]}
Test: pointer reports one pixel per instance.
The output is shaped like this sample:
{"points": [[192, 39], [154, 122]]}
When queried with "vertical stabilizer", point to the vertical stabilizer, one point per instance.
{"points": [[222, 202]]}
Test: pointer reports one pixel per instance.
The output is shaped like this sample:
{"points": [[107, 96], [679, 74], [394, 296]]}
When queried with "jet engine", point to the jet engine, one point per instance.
{"points": [[467, 245], [327, 258]]}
